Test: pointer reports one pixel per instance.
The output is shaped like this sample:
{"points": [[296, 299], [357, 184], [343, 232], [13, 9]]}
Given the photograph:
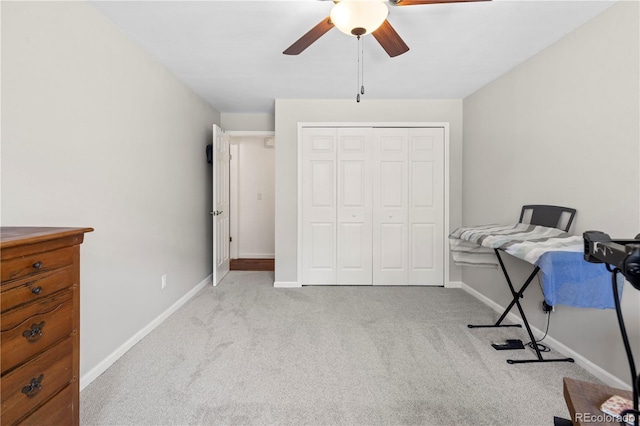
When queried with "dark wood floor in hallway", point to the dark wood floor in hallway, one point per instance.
{"points": [[252, 265]]}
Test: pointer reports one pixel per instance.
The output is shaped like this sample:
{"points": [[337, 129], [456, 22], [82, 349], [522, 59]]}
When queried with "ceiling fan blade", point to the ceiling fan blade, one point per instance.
{"points": [[416, 2], [310, 37], [390, 40]]}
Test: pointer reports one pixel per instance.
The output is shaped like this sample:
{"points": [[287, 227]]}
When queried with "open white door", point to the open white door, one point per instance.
{"points": [[220, 212]]}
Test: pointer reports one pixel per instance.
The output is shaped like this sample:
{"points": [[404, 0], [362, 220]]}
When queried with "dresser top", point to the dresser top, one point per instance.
{"points": [[16, 235]]}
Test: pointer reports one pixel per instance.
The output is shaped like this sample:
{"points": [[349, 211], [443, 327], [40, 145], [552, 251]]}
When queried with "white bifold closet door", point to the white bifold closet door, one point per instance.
{"points": [[372, 206], [337, 206], [408, 206]]}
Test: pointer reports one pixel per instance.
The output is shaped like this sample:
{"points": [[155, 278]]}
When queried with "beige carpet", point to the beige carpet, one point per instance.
{"points": [[247, 353]]}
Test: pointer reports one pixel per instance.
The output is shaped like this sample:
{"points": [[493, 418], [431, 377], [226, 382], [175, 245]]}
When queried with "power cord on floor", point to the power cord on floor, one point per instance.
{"points": [[541, 347]]}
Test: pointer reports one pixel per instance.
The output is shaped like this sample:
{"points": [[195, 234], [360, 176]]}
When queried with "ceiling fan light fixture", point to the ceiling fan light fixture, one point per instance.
{"points": [[359, 17]]}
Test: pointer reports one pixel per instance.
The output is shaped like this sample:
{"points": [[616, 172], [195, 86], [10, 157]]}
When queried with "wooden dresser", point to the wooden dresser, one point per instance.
{"points": [[40, 325], [584, 400]]}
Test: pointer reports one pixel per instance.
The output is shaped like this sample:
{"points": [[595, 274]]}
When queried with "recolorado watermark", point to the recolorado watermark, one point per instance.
{"points": [[601, 418]]}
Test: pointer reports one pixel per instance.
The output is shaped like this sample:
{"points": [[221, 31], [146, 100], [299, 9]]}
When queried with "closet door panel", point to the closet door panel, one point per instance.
{"points": [[426, 206], [390, 202], [393, 183], [322, 177], [422, 246], [421, 195], [319, 206], [352, 248], [392, 247], [354, 206], [352, 181], [322, 241]]}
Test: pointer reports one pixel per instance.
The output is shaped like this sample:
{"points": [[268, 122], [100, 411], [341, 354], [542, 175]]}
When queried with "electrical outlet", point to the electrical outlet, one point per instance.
{"points": [[164, 281], [547, 308]]}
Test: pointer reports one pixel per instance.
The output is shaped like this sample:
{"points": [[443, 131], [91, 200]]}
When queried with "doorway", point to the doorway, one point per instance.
{"points": [[252, 201]]}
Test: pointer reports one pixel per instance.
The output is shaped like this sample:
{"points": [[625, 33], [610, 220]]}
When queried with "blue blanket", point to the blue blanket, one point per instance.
{"points": [[568, 279]]}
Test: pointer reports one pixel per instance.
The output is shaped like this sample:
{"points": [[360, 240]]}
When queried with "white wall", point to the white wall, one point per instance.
{"points": [[96, 133], [247, 121], [290, 112], [563, 128], [256, 198]]}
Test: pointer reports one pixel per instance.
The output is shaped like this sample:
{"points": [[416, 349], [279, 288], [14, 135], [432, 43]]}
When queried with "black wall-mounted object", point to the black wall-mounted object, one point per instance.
{"points": [[209, 153]]}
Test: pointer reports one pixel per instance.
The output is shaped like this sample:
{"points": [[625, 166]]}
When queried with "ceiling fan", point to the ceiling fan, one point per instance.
{"points": [[360, 17]]}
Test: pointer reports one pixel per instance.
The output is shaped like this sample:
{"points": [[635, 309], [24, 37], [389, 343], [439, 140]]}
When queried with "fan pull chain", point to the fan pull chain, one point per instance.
{"points": [[362, 67], [360, 54], [358, 72]]}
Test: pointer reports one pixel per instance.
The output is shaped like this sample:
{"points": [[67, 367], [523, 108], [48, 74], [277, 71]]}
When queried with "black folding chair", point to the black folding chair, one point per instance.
{"points": [[542, 215]]}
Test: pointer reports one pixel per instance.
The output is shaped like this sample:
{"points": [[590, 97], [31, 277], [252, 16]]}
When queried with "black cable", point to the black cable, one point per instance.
{"points": [[625, 338], [541, 347]]}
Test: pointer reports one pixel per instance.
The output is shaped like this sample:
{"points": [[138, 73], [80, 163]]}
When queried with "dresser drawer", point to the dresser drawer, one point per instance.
{"points": [[36, 263], [30, 330], [59, 410], [36, 381], [35, 288]]}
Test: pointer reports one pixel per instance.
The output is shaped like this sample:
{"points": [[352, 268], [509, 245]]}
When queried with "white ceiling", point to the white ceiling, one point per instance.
{"points": [[230, 51]]}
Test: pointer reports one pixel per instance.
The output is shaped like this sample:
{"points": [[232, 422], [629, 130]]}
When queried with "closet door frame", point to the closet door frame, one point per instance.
{"points": [[443, 125]]}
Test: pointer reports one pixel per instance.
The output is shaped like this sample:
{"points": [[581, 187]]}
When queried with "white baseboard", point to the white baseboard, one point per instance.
{"points": [[286, 284], [453, 284], [102, 366], [256, 256], [583, 362]]}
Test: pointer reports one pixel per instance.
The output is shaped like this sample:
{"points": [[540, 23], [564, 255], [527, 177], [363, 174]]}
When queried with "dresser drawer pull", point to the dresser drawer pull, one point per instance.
{"points": [[37, 265], [35, 333], [36, 290], [33, 388]]}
